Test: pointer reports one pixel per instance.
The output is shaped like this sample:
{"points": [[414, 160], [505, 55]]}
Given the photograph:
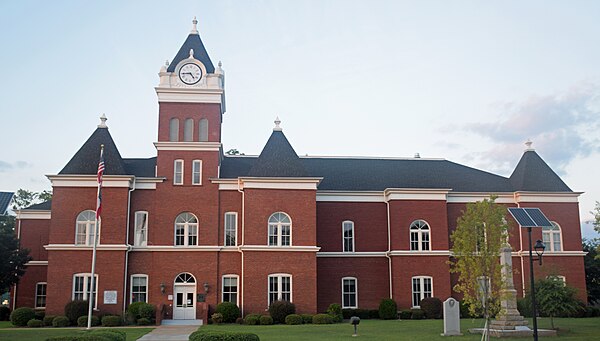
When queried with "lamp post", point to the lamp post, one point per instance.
{"points": [[539, 250]]}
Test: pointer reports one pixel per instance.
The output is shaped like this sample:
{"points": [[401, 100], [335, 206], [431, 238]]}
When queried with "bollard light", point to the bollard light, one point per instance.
{"points": [[355, 320]]}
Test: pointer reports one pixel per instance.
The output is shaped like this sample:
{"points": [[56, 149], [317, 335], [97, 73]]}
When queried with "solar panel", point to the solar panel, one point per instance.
{"points": [[521, 217], [538, 217]]}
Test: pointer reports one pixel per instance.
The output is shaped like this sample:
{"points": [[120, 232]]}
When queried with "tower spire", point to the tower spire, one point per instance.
{"points": [[194, 26]]}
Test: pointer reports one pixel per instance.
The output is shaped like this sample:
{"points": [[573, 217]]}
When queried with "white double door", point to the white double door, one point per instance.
{"points": [[185, 302]]}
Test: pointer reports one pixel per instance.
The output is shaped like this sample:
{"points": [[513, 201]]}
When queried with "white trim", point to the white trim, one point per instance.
{"points": [[194, 163], [147, 183], [444, 194], [416, 193], [226, 184], [341, 196], [87, 277], [525, 253], [466, 197], [73, 247], [237, 293], [235, 214], [344, 237], [350, 254], [90, 180], [37, 262], [36, 295], [280, 183], [420, 233], [176, 248], [290, 248], [279, 290], [33, 214], [421, 287], [131, 287], [175, 163], [355, 293], [188, 146], [547, 196], [420, 253], [189, 95]]}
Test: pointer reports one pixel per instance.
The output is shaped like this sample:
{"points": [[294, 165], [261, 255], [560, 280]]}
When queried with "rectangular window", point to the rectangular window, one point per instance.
{"points": [[178, 172], [349, 293], [280, 288], [348, 232], [422, 287], [81, 288], [230, 229], [197, 172], [40, 295], [139, 288], [141, 228], [179, 235], [192, 235], [230, 289]]}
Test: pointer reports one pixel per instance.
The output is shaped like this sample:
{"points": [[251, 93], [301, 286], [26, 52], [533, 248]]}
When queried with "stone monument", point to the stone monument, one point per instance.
{"points": [[451, 317]]}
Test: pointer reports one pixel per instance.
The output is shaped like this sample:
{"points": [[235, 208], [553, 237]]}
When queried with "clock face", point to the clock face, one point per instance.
{"points": [[190, 73]]}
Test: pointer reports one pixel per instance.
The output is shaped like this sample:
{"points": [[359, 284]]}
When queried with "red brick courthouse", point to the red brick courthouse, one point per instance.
{"points": [[192, 227]]}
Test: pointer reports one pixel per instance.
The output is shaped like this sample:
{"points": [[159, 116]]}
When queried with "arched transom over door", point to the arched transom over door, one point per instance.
{"points": [[184, 291]]}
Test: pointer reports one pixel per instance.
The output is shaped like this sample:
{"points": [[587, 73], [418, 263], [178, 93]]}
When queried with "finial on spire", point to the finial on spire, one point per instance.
{"points": [[220, 64], [191, 53], [103, 122], [277, 123], [167, 62], [528, 144], [194, 26]]}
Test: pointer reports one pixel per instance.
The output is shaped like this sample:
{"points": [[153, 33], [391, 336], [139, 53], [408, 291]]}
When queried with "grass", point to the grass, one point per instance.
{"points": [[31, 334], [569, 330]]}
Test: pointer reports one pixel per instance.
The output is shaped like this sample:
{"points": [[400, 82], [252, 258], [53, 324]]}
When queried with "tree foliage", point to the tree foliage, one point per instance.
{"points": [[591, 263], [596, 213], [234, 152], [12, 260], [476, 243], [24, 198], [554, 298]]}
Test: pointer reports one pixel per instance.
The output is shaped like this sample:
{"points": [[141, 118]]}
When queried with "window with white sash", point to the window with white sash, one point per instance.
{"points": [[186, 230], [422, 287], [552, 237], [280, 229], [178, 172], [230, 288], [40, 295], [139, 288], [141, 228], [231, 229], [197, 172], [419, 236], [82, 283], [349, 293], [84, 228], [280, 288], [348, 236]]}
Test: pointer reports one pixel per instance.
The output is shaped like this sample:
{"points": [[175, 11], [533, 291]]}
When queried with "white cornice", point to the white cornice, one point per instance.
{"points": [[226, 184], [72, 247], [280, 183], [420, 253], [416, 193], [525, 253], [189, 146], [147, 183], [213, 248], [189, 95], [175, 248], [350, 254], [280, 248], [33, 214], [90, 180], [547, 196], [340, 196], [37, 262], [465, 197]]}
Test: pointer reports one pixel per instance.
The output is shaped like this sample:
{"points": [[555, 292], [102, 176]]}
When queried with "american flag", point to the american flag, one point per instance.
{"points": [[100, 173]]}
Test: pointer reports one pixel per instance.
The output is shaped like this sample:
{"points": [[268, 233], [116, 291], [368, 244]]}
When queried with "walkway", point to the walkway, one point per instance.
{"points": [[169, 333]]}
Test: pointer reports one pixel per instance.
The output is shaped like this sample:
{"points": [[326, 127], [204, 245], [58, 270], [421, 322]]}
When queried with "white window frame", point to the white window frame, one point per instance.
{"points": [[279, 292], [37, 295], [198, 171], [89, 228], [186, 230], [175, 173], [225, 228], [344, 238], [419, 231], [355, 306], [86, 279], [421, 291], [136, 230], [279, 236], [131, 287], [237, 288], [551, 235]]}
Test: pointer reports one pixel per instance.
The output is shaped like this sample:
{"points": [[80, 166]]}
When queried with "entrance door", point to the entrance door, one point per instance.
{"points": [[184, 307]]}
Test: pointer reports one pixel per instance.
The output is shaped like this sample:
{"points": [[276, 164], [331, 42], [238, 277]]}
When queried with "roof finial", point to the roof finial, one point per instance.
{"points": [[192, 53], [277, 123], [528, 144], [220, 64], [103, 122], [194, 26]]}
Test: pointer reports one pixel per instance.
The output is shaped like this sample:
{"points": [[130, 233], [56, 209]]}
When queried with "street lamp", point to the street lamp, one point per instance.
{"points": [[539, 251]]}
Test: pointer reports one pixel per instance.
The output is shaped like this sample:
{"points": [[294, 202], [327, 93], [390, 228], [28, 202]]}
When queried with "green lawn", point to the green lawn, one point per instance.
{"points": [[5, 324], [570, 329], [30, 334]]}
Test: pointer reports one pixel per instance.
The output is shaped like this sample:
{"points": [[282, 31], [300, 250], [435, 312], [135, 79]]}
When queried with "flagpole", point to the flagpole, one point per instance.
{"points": [[97, 225]]}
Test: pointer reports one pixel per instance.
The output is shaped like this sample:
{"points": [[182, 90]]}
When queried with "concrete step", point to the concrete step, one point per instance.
{"points": [[182, 323]]}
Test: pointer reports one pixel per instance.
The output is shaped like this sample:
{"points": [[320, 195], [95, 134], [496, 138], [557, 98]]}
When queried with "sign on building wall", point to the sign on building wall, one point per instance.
{"points": [[110, 297]]}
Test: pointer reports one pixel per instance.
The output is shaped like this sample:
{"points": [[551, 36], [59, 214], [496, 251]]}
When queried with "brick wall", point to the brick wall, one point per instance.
{"points": [[196, 111]]}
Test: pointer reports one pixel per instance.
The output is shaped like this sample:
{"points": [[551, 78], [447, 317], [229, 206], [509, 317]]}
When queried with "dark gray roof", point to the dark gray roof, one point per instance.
{"points": [[44, 206], [533, 174], [5, 199], [85, 161], [193, 41], [278, 159], [141, 167]]}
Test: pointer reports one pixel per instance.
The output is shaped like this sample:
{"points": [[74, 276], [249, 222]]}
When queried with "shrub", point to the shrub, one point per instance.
{"points": [[143, 322], [293, 319], [82, 321], [75, 309], [239, 320], [322, 319], [373, 313], [33, 323], [307, 318], [147, 311], [348, 313], [252, 319], [111, 321], [20, 316], [266, 320], [524, 306], [229, 310], [202, 335], [48, 320], [133, 311], [217, 318], [591, 311], [417, 314], [61, 321], [335, 310], [388, 309], [4, 313], [405, 314], [432, 307], [364, 313], [39, 314], [109, 334], [280, 309]]}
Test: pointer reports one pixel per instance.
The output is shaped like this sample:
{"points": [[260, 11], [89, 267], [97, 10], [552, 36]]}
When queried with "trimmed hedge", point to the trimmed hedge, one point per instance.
{"points": [[111, 321], [40, 314], [229, 310], [143, 322], [202, 335], [239, 320], [322, 319], [4, 313], [432, 307], [293, 319], [364, 314], [307, 318], [76, 309], [265, 320], [48, 320], [405, 314], [388, 309], [280, 309], [216, 318], [335, 310], [138, 310], [417, 314], [82, 321], [33, 323], [61, 321], [20, 316], [252, 319]]}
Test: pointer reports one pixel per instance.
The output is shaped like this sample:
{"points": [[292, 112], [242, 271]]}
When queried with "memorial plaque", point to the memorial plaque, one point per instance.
{"points": [[201, 298], [110, 297]]}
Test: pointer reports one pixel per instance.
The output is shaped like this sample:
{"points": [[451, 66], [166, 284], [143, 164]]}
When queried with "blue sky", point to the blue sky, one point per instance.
{"points": [[463, 80]]}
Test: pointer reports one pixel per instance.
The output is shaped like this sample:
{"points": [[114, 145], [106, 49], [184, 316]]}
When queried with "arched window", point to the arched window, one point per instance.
{"points": [[348, 236], [422, 287], [419, 236], [174, 129], [552, 237], [186, 230], [349, 293], [203, 130], [188, 130], [185, 278], [85, 226], [280, 229]]}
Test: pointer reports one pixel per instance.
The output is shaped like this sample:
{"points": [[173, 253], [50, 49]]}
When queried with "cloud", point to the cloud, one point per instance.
{"points": [[7, 166], [562, 126]]}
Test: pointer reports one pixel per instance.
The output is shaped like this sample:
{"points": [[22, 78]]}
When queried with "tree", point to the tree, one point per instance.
{"points": [[234, 152], [12, 259], [554, 298], [24, 198], [596, 213], [476, 243], [591, 263]]}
